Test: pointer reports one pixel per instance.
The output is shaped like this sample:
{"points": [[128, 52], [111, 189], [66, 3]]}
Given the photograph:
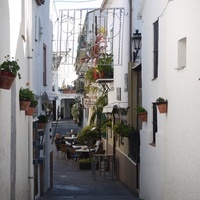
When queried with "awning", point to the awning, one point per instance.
{"points": [[109, 108], [49, 96]]}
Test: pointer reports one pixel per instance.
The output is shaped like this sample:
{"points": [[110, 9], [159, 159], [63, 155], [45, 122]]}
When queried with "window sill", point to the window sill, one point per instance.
{"points": [[153, 79], [152, 144]]}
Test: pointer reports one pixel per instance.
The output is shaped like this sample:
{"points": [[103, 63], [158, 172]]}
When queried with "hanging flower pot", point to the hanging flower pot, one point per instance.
{"points": [[143, 116], [101, 75], [6, 79], [8, 71], [31, 109], [41, 125], [24, 105], [25, 97], [142, 113], [161, 105], [42, 121]]}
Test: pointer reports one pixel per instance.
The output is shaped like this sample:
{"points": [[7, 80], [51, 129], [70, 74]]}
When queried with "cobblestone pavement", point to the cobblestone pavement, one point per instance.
{"points": [[69, 182]]}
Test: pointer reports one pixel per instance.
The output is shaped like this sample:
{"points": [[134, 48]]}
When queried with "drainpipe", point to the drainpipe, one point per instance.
{"points": [[131, 27], [30, 122]]}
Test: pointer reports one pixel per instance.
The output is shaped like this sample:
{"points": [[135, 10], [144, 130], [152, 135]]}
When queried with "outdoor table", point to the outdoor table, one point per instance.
{"points": [[84, 150], [104, 158], [70, 138], [77, 146], [84, 153]]}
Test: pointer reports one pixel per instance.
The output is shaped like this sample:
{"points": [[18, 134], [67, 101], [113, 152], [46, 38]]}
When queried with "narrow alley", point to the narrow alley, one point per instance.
{"points": [[69, 182]]}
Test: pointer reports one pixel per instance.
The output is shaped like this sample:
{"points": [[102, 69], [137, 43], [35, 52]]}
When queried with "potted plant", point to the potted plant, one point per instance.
{"points": [[88, 136], [42, 119], [106, 124], [89, 75], [104, 66], [85, 164], [80, 115], [122, 129], [25, 97], [142, 113], [8, 71], [31, 108], [161, 105], [75, 113]]}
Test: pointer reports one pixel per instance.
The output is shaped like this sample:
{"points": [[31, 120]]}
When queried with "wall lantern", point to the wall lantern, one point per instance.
{"points": [[81, 79], [80, 84], [137, 43]]}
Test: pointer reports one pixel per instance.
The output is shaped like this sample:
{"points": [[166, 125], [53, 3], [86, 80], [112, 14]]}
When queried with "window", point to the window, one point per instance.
{"points": [[134, 146], [44, 66], [182, 53], [155, 126], [155, 49], [118, 93]]}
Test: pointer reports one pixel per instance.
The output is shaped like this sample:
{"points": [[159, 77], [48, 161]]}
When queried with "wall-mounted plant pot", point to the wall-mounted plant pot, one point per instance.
{"points": [[96, 76], [30, 111], [6, 79], [40, 2], [41, 125], [24, 105], [101, 75], [143, 116], [162, 107]]}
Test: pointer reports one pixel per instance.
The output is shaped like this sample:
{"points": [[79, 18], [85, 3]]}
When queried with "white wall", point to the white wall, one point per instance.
{"points": [[15, 128], [170, 169], [120, 70]]}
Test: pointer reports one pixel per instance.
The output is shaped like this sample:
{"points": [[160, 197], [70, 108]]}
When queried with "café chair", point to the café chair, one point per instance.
{"points": [[72, 155], [63, 148], [58, 150]]}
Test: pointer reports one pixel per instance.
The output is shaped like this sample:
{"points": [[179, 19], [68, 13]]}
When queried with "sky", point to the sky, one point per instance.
{"points": [[66, 4], [68, 70]]}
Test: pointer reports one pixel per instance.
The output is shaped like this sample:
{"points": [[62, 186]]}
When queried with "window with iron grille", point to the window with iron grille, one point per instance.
{"points": [[134, 146], [155, 49], [155, 125]]}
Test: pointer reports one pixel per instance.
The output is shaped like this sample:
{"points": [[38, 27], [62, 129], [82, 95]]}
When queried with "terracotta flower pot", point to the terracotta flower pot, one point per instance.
{"points": [[24, 105], [101, 75], [30, 111], [41, 125], [162, 107], [96, 76], [143, 116], [6, 79]]}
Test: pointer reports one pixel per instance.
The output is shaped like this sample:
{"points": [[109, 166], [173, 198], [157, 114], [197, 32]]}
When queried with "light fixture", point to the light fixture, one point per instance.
{"points": [[80, 84], [137, 43]]}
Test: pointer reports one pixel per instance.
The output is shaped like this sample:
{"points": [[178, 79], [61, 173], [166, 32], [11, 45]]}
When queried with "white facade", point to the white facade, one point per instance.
{"points": [[19, 33], [120, 69], [170, 169]]}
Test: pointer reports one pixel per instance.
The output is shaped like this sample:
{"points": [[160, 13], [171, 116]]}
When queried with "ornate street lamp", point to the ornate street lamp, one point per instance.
{"points": [[136, 43]]}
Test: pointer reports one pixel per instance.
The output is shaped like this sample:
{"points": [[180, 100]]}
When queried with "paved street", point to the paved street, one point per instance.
{"points": [[72, 183]]}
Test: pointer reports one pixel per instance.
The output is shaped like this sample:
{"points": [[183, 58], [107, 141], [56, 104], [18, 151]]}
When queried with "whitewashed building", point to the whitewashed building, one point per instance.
{"points": [[170, 69], [26, 35]]}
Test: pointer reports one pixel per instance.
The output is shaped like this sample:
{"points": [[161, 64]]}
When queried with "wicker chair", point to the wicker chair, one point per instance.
{"points": [[72, 155], [63, 148]]}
